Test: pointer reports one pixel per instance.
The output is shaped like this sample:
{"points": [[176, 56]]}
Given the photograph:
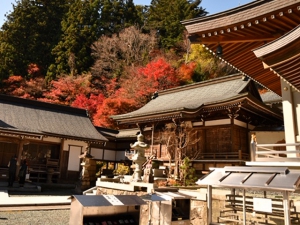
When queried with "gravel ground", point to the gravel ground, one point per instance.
{"points": [[45, 217], [37, 217], [61, 216]]}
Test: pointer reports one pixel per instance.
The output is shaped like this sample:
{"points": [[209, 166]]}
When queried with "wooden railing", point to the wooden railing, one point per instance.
{"points": [[224, 156], [275, 152]]}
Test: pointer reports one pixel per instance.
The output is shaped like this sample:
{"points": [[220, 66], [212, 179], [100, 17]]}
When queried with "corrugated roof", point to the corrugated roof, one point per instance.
{"points": [[109, 200], [33, 117], [259, 178]]}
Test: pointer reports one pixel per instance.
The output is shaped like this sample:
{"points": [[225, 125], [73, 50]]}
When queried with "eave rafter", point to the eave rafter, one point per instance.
{"points": [[242, 30], [231, 40]]}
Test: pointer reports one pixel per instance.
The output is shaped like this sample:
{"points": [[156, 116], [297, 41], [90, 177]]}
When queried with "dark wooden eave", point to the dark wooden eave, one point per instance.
{"points": [[282, 56], [241, 30]]}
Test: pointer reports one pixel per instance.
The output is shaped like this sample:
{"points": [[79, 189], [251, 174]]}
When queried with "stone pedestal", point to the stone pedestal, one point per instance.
{"points": [[148, 175], [138, 168], [88, 175], [49, 176], [92, 170]]}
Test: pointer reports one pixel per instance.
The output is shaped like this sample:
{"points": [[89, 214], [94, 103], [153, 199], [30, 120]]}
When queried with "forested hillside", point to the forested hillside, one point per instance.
{"points": [[107, 56]]}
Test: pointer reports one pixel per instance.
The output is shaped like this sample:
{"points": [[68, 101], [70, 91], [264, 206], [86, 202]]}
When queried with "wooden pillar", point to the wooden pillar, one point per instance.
{"points": [[152, 140], [253, 147], [286, 208], [244, 207]]}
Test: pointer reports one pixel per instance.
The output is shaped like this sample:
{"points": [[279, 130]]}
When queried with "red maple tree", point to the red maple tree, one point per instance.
{"points": [[67, 88], [112, 106]]}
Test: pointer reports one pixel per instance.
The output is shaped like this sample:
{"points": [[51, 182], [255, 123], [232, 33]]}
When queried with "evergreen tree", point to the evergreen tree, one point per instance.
{"points": [[32, 29], [131, 15], [117, 15], [165, 16], [80, 29]]}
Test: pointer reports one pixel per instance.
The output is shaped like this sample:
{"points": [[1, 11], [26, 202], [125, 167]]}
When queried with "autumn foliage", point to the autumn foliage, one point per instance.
{"points": [[103, 96], [136, 90], [112, 106], [186, 71], [67, 88], [19, 86]]}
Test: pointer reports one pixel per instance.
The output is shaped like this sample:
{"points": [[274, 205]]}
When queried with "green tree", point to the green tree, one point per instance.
{"points": [[31, 31], [207, 66], [164, 16], [187, 172], [80, 29], [117, 15]]}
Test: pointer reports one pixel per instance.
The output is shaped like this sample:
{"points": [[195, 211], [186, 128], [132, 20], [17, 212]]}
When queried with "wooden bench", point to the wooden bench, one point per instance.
{"points": [[233, 211]]}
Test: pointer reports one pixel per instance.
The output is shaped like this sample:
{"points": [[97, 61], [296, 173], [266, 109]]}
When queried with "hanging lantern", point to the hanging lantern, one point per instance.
{"points": [[219, 51]]}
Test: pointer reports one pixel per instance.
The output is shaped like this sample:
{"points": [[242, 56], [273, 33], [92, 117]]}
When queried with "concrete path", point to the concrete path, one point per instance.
{"points": [[30, 199]]}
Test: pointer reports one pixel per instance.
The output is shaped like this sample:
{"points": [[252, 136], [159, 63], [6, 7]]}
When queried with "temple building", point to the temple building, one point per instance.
{"points": [[51, 138], [220, 111]]}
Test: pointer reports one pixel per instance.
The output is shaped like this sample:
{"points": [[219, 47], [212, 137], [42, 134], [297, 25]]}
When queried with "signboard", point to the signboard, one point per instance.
{"points": [[113, 200], [262, 205]]}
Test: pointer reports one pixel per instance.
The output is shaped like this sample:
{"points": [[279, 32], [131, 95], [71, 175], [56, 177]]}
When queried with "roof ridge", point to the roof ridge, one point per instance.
{"points": [[226, 12], [201, 83], [40, 104]]}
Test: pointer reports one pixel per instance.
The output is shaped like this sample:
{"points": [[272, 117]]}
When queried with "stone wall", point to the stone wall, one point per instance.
{"points": [[108, 191], [197, 214], [198, 211]]}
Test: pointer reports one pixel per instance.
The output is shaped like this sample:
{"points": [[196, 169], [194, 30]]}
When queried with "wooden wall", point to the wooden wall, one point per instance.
{"points": [[215, 139], [7, 150]]}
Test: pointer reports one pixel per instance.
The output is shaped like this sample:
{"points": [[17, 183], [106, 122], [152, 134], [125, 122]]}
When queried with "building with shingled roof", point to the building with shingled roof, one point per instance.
{"points": [[47, 135], [221, 110]]}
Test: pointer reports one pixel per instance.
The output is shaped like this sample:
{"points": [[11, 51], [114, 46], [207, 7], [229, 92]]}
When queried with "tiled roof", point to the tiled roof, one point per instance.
{"points": [[192, 97], [128, 133], [270, 97], [24, 116], [108, 133]]}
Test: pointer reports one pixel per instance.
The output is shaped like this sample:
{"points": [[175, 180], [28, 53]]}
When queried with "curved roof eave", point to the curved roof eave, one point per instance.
{"points": [[41, 134], [213, 106], [242, 29], [176, 111], [239, 14]]}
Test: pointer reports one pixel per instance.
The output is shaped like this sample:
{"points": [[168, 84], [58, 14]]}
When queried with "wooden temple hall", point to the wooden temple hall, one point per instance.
{"points": [[261, 40], [217, 115]]}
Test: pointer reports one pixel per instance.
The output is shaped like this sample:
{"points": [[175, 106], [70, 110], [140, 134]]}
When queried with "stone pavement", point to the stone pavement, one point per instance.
{"points": [[26, 196]]}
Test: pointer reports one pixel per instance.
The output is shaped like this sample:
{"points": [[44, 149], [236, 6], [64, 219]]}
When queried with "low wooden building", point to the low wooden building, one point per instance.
{"points": [[222, 111], [51, 137]]}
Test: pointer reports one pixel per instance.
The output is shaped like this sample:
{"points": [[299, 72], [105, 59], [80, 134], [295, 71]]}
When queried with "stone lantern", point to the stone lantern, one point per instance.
{"points": [[138, 156]]}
